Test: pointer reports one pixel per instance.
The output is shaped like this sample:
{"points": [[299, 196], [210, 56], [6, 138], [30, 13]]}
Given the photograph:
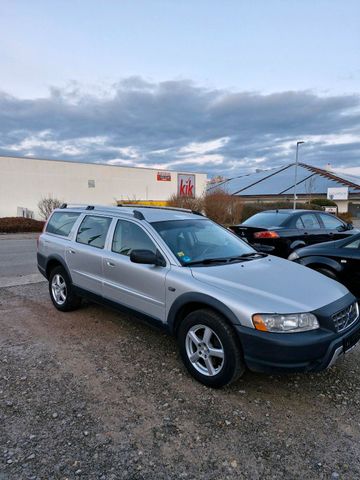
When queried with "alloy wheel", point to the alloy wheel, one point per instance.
{"points": [[58, 289], [204, 350]]}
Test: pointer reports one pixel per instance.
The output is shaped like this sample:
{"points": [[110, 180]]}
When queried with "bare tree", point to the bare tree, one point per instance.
{"points": [[47, 205]]}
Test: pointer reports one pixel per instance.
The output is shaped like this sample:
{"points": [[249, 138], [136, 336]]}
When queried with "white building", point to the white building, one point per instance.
{"points": [[25, 181]]}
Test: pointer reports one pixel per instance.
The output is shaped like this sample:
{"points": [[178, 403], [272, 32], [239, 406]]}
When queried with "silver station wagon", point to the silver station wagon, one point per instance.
{"points": [[229, 306]]}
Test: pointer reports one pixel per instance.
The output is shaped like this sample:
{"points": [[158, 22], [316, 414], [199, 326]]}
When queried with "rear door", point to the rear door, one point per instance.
{"points": [[137, 286], [309, 228], [84, 256]]}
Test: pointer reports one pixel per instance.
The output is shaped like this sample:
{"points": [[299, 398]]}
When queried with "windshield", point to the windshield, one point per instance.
{"points": [[198, 240], [270, 219]]}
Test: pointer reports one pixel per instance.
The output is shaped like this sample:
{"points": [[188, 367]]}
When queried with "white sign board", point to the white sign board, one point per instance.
{"points": [[331, 210], [341, 193]]}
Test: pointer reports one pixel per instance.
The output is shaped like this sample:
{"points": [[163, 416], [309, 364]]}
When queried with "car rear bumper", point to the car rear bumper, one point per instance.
{"points": [[295, 352]]}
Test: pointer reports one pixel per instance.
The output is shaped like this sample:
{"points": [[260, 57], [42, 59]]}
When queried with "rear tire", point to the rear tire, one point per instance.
{"points": [[61, 290], [210, 349]]}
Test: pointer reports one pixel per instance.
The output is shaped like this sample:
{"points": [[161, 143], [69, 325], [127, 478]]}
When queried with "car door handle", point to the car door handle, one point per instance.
{"points": [[110, 264], [71, 251]]}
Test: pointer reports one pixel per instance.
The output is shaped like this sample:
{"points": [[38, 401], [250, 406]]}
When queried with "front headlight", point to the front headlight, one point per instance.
{"points": [[287, 323], [293, 256]]}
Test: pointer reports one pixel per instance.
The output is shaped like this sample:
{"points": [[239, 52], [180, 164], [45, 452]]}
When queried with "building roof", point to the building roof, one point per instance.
{"points": [[280, 181]]}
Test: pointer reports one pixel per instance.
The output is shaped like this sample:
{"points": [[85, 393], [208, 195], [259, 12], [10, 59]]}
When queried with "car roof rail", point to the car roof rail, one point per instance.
{"points": [[158, 207], [138, 215]]}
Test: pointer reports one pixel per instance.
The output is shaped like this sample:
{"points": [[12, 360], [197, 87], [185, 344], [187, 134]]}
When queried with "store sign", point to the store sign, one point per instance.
{"points": [[341, 193], [163, 177], [186, 185]]}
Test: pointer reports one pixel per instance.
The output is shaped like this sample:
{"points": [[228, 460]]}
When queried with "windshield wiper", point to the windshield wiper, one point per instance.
{"points": [[207, 261], [252, 254]]}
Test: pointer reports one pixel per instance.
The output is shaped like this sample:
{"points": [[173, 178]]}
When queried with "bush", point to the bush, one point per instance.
{"points": [[346, 217], [47, 205], [190, 203], [217, 205], [323, 202], [223, 208], [231, 209], [20, 224]]}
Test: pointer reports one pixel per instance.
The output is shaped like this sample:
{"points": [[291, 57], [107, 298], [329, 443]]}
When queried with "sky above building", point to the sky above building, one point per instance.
{"points": [[222, 87]]}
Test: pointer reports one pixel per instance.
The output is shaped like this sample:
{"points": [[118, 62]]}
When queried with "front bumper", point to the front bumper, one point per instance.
{"points": [[295, 352]]}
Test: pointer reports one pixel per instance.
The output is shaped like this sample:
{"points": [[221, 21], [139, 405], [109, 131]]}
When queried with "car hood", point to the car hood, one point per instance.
{"points": [[272, 284]]}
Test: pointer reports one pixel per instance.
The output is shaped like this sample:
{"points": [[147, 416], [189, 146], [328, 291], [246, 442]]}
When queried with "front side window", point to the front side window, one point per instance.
{"points": [[93, 231], [355, 244], [198, 240], [331, 222], [61, 223], [310, 221], [128, 237]]}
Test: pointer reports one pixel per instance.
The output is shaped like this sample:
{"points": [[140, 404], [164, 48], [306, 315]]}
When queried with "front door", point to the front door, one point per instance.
{"points": [[335, 228], [137, 286]]}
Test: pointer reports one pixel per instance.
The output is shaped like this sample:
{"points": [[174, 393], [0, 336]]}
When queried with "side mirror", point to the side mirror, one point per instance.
{"points": [[147, 257], [350, 226]]}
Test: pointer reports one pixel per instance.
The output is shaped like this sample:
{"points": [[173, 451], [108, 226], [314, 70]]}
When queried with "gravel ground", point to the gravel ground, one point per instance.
{"points": [[97, 395]]}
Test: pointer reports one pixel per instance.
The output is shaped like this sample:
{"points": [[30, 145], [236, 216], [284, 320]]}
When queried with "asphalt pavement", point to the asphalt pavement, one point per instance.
{"points": [[18, 265]]}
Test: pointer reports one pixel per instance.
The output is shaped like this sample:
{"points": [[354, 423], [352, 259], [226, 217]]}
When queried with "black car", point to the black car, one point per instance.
{"points": [[282, 231], [339, 260]]}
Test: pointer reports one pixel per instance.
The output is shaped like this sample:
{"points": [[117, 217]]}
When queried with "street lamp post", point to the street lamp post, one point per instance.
{"points": [[296, 165]]}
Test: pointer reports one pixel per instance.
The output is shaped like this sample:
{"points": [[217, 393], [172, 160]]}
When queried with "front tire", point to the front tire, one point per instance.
{"points": [[61, 290], [209, 349]]}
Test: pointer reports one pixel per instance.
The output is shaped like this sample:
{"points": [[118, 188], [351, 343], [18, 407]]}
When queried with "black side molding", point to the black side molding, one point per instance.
{"points": [[207, 300]]}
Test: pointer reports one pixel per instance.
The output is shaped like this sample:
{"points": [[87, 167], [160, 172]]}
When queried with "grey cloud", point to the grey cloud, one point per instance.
{"points": [[157, 120]]}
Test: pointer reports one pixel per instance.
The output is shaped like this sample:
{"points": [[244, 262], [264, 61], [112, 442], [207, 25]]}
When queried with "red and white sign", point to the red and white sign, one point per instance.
{"points": [[186, 185], [163, 177]]}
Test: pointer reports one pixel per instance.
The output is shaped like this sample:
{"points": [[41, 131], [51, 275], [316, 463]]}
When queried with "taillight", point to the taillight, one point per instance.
{"points": [[266, 234]]}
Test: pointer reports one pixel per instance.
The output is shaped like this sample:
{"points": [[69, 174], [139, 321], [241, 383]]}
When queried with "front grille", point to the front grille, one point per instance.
{"points": [[346, 317]]}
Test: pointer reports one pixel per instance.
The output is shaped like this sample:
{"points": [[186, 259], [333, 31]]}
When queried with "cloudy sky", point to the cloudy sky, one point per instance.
{"points": [[222, 87]]}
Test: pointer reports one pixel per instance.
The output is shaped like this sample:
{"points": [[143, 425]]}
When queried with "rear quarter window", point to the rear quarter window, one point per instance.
{"points": [[61, 223]]}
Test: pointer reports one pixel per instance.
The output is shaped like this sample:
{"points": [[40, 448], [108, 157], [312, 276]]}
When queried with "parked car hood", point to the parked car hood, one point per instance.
{"points": [[272, 284]]}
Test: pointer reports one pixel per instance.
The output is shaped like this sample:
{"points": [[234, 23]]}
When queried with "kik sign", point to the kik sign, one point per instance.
{"points": [[186, 185]]}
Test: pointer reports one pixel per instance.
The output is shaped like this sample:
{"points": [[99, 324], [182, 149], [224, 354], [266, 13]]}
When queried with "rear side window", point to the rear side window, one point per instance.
{"points": [[310, 221], [61, 223], [93, 231]]}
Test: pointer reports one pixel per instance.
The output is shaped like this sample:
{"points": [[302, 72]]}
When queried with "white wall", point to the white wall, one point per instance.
{"points": [[24, 181]]}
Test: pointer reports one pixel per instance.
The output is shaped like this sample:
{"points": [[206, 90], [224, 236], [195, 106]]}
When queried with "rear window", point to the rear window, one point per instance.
{"points": [[271, 219], [61, 223]]}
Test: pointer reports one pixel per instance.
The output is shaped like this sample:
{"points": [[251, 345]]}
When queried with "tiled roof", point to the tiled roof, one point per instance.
{"points": [[280, 181]]}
